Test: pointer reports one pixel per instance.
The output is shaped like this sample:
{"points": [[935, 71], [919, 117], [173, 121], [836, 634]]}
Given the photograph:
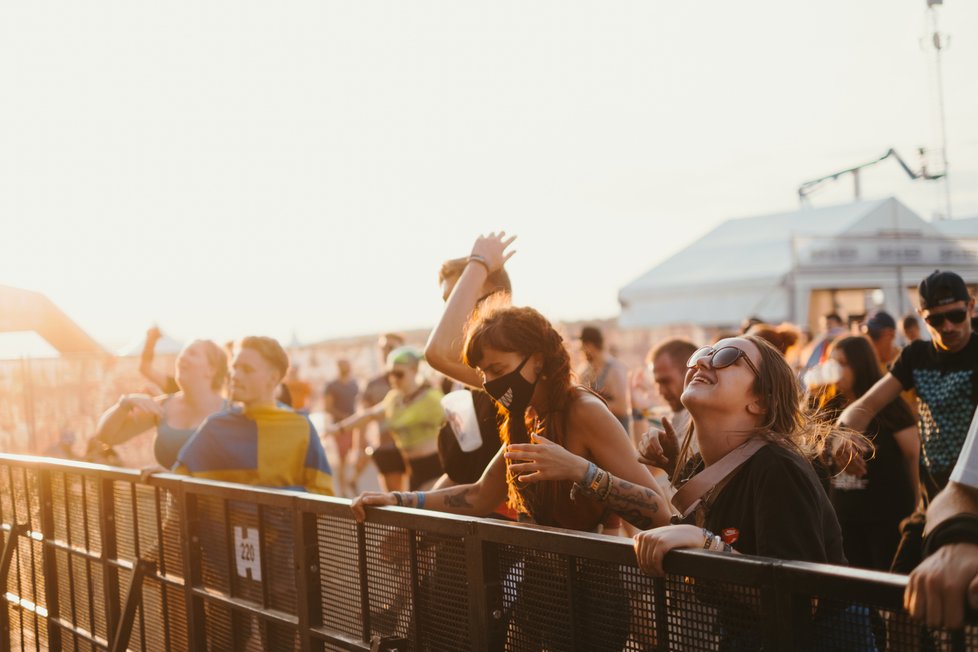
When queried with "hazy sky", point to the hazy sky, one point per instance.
{"points": [[225, 168]]}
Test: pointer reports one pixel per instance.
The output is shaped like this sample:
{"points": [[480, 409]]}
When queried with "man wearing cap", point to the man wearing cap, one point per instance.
{"points": [[944, 373], [881, 330]]}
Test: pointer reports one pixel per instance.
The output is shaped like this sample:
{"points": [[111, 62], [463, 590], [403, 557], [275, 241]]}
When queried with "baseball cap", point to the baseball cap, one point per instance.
{"points": [[942, 288]]}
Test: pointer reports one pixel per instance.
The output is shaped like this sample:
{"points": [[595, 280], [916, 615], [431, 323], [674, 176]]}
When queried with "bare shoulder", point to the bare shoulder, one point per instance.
{"points": [[589, 412]]}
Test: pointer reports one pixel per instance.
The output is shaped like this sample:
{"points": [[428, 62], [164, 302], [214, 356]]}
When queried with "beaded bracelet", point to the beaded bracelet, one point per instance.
{"points": [[607, 490]]}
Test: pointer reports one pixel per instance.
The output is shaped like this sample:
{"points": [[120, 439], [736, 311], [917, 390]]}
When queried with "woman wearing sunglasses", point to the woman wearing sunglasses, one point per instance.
{"points": [[764, 497], [413, 413]]}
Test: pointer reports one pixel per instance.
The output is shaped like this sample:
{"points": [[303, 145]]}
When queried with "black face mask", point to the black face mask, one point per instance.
{"points": [[512, 391]]}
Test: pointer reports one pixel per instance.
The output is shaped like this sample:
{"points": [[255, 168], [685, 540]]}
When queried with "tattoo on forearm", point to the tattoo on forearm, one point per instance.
{"points": [[459, 498], [633, 503]]}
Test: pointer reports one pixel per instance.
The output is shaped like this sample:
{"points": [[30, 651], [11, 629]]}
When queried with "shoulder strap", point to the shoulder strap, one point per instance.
{"points": [[687, 499]]}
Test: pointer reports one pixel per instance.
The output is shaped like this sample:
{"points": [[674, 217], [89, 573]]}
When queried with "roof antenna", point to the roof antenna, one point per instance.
{"points": [[937, 42]]}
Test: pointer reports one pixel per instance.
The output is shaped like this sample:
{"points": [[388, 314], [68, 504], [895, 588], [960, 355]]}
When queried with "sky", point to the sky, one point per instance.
{"points": [[233, 168]]}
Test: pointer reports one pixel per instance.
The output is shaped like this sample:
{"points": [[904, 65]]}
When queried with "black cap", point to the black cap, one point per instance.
{"points": [[942, 288]]}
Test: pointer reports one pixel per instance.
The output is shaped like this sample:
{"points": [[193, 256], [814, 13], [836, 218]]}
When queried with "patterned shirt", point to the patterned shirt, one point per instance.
{"points": [[947, 393]]}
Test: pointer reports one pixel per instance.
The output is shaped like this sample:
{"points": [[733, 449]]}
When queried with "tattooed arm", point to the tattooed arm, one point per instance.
{"points": [[476, 499]]}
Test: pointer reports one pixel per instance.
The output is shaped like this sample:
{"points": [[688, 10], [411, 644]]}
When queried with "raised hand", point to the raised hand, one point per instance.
{"points": [[492, 249], [660, 448]]}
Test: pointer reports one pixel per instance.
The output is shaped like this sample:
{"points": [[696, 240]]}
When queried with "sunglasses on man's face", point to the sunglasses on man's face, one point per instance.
{"points": [[953, 316], [396, 373], [721, 358]]}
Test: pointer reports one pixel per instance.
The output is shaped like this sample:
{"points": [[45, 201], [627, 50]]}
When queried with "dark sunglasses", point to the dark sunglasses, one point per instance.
{"points": [[396, 373], [953, 316], [721, 358]]}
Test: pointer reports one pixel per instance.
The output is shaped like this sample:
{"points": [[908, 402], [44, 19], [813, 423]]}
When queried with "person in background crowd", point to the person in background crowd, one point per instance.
{"points": [[340, 402], [872, 497], [412, 411], [605, 375], [385, 455], [667, 361], [782, 337], [165, 382], [201, 369], [911, 328], [946, 581], [833, 327], [299, 389], [944, 372], [880, 327], [258, 443], [444, 353]]}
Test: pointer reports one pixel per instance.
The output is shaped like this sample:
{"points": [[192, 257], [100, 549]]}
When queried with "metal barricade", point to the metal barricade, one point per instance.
{"points": [[94, 559]]}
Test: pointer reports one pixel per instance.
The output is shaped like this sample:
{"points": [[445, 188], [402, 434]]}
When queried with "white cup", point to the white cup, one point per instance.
{"points": [[460, 414]]}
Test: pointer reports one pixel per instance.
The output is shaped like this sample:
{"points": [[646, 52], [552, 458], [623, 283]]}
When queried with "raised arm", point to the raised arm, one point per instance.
{"points": [[908, 441], [358, 420], [444, 348]]}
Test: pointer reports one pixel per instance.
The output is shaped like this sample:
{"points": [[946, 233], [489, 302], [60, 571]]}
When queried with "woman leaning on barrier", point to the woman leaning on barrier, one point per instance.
{"points": [[752, 489], [566, 461]]}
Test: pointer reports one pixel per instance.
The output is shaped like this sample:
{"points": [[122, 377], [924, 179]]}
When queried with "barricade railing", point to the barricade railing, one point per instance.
{"points": [[93, 558]]}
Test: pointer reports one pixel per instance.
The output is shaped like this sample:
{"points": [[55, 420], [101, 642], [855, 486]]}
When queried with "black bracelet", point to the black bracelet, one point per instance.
{"points": [[399, 497], [962, 528]]}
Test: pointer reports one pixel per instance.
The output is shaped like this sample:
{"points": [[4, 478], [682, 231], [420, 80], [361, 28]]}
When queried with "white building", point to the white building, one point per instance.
{"points": [[797, 266]]}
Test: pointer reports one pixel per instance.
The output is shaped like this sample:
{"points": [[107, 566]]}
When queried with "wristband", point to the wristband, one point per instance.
{"points": [[589, 475], [640, 415], [475, 258], [707, 539], [607, 490], [962, 528], [419, 495], [399, 497]]}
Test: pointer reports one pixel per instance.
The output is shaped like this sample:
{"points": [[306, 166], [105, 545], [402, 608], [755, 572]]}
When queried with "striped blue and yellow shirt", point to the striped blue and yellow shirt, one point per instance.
{"points": [[265, 446]]}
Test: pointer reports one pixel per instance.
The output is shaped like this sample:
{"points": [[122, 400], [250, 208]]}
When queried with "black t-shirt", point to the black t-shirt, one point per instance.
{"points": [[947, 392], [885, 493], [466, 467], [775, 507]]}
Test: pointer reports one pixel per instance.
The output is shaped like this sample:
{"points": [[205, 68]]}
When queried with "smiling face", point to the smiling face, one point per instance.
{"points": [[730, 389]]}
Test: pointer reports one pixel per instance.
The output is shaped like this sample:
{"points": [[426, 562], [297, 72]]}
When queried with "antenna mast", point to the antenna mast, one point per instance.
{"points": [[939, 42]]}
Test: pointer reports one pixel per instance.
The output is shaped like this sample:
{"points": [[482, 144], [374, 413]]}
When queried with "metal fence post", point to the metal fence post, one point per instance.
{"points": [[49, 561], [110, 573], [16, 531], [196, 633], [307, 578], [485, 595], [120, 639]]}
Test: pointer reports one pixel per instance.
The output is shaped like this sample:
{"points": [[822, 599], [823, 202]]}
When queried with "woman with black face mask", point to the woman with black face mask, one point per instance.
{"points": [[565, 461]]}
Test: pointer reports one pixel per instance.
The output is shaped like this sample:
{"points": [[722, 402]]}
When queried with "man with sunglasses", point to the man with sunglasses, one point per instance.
{"points": [[944, 373]]}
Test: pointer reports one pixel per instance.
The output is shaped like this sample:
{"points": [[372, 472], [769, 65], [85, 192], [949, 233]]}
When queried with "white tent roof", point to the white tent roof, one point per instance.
{"points": [[166, 345], [739, 268]]}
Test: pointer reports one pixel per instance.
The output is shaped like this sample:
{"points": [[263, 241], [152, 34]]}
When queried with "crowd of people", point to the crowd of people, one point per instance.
{"points": [[763, 442]]}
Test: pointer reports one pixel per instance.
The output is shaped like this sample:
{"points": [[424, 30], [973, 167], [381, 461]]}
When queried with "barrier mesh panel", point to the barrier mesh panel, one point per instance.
{"points": [[704, 614], [339, 575], [213, 542], [389, 580], [442, 593], [170, 559], [537, 611], [248, 553]]}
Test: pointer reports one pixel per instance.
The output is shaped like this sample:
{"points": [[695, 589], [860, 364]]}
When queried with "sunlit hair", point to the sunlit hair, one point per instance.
{"points": [[217, 359], [269, 349], [497, 281], [783, 337], [785, 421], [524, 331]]}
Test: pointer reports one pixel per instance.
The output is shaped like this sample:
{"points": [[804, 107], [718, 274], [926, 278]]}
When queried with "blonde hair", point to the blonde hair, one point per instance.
{"points": [[218, 360], [269, 349]]}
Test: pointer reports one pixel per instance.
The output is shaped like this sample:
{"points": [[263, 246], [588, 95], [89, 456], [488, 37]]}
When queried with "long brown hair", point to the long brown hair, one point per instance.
{"points": [[786, 422], [524, 331]]}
